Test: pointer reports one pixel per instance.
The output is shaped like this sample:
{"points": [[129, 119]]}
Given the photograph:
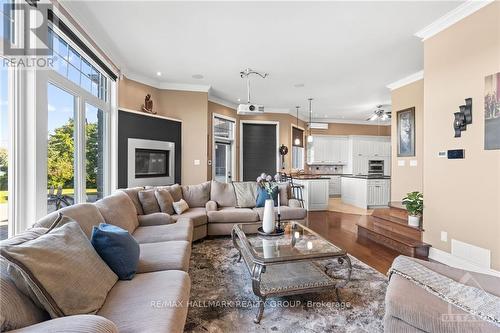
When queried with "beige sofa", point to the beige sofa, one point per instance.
{"points": [[213, 208], [410, 308], [155, 300]]}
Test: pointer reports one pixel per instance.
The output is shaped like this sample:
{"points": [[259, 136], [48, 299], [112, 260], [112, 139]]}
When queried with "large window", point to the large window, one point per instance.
{"points": [[78, 117], [4, 152]]}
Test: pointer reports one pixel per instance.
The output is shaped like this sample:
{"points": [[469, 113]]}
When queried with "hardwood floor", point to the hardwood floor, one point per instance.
{"points": [[341, 230]]}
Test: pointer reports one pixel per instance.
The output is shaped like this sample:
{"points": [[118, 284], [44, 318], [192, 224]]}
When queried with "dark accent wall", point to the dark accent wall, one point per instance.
{"points": [[259, 150], [137, 126]]}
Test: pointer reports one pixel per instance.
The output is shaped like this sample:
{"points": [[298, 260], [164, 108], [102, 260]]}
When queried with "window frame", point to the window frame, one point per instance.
{"points": [[83, 97]]}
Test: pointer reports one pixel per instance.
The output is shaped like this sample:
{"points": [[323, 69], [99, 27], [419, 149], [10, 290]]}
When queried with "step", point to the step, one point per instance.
{"points": [[397, 209], [397, 227], [394, 220], [405, 245]]}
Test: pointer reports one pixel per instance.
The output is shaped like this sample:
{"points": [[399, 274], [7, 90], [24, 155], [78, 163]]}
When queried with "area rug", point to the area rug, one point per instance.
{"points": [[222, 299]]}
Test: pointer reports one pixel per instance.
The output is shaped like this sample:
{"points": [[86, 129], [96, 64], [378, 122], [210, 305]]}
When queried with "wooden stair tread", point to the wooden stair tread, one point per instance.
{"points": [[394, 219], [397, 205], [367, 224]]}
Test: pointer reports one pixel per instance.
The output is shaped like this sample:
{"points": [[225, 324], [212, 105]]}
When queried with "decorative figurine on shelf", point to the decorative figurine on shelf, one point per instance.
{"points": [[148, 105]]}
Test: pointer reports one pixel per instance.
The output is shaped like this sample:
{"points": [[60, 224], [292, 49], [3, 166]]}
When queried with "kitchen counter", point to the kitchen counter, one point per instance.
{"points": [[314, 192], [366, 176]]}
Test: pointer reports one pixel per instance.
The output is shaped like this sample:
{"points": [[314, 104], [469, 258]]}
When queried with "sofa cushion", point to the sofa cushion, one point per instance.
{"points": [[148, 201], [263, 195], [118, 249], [165, 201], [18, 310], [418, 308], [85, 214], [151, 302], [287, 213], [175, 190], [223, 194], [154, 219], [162, 256], [62, 271], [285, 193], [181, 230], [196, 195], [73, 324], [133, 194], [180, 206], [118, 209], [246, 194], [232, 215], [198, 215]]}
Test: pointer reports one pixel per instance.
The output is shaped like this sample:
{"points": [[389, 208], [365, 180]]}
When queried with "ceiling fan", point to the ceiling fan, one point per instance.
{"points": [[380, 114]]}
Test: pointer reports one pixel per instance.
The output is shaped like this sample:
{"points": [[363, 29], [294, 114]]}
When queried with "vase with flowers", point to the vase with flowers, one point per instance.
{"points": [[267, 196]]}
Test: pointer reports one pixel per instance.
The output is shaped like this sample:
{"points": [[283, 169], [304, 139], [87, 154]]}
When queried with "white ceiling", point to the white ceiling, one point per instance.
{"points": [[345, 53]]}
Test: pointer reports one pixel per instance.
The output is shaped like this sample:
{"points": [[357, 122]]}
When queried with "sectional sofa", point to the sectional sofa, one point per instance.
{"points": [[215, 207], [156, 299]]}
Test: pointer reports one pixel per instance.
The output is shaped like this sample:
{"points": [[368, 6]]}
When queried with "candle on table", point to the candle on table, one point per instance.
{"points": [[278, 203]]}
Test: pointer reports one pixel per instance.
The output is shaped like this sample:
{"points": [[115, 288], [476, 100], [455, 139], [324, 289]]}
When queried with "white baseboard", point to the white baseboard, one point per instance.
{"points": [[453, 261]]}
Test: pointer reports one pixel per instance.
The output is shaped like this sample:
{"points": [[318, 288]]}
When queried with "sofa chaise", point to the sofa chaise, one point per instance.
{"points": [[155, 300]]}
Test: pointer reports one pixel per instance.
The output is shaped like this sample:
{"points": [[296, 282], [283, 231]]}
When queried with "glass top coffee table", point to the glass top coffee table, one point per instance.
{"points": [[284, 265]]}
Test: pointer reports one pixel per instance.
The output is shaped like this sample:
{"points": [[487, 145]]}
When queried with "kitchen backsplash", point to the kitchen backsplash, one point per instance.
{"points": [[324, 169]]}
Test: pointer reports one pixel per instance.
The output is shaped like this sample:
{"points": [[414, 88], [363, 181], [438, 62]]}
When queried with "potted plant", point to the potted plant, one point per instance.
{"points": [[414, 203], [269, 186]]}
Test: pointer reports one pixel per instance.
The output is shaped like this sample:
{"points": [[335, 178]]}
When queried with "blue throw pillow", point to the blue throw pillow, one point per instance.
{"points": [[118, 249], [262, 196]]}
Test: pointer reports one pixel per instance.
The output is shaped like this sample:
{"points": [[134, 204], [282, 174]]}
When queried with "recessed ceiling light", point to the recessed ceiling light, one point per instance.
{"points": [[158, 73], [197, 76], [299, 85], [239, 99]]}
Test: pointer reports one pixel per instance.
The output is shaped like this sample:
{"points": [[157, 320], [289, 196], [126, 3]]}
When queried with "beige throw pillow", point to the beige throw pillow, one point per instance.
{"points": [[180, 206], [165, 201], [61, 271], [223, 194], [148, 201], [196, 195], [246, 194]]}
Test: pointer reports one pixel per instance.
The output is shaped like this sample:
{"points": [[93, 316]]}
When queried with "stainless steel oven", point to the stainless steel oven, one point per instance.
{"points": [[375, 167]]}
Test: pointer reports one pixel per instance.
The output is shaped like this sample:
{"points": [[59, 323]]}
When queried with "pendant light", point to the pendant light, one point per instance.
{"points": [[310, 138], [297, 139]]}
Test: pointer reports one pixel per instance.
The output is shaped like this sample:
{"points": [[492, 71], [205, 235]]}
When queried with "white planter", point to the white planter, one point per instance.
{"points": [[268, 219], [414, 221]]}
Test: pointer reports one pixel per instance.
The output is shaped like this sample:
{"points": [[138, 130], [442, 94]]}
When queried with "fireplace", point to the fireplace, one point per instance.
{"points": [[150, 162]]}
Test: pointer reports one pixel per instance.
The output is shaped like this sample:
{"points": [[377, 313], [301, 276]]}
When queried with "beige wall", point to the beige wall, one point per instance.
{"points": [[190, 107], [407, 178], [462, 197], [285, 130], [354, 129]]}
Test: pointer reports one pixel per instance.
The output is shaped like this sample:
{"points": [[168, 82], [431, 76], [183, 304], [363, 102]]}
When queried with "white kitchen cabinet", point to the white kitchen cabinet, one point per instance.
{"points": [[328, 149], [378, 192], [365, 193], [315, 193]]}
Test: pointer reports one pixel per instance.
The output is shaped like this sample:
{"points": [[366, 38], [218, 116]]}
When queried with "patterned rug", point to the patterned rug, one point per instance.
{"points": [[222, 299]]}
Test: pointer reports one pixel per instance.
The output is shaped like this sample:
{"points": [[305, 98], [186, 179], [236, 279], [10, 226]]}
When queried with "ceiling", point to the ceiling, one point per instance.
{"points": [[342, 54]]}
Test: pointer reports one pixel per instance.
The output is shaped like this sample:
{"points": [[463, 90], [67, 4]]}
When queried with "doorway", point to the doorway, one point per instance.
{"points": [[223, 148]]}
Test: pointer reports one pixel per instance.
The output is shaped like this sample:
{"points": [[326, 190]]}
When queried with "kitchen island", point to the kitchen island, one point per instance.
{"points": [[366, 191], [314, 191]]}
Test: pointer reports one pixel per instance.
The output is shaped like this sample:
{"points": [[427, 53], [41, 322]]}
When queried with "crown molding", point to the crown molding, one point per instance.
{"points": [[223, 102], [452, 17], [406, 80], [351, 121], [166, 85]]}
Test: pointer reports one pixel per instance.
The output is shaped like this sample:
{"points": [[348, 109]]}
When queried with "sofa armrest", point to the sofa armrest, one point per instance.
{"points": [[211, 206], [294, 203], [154, 219], [74, 324]]}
